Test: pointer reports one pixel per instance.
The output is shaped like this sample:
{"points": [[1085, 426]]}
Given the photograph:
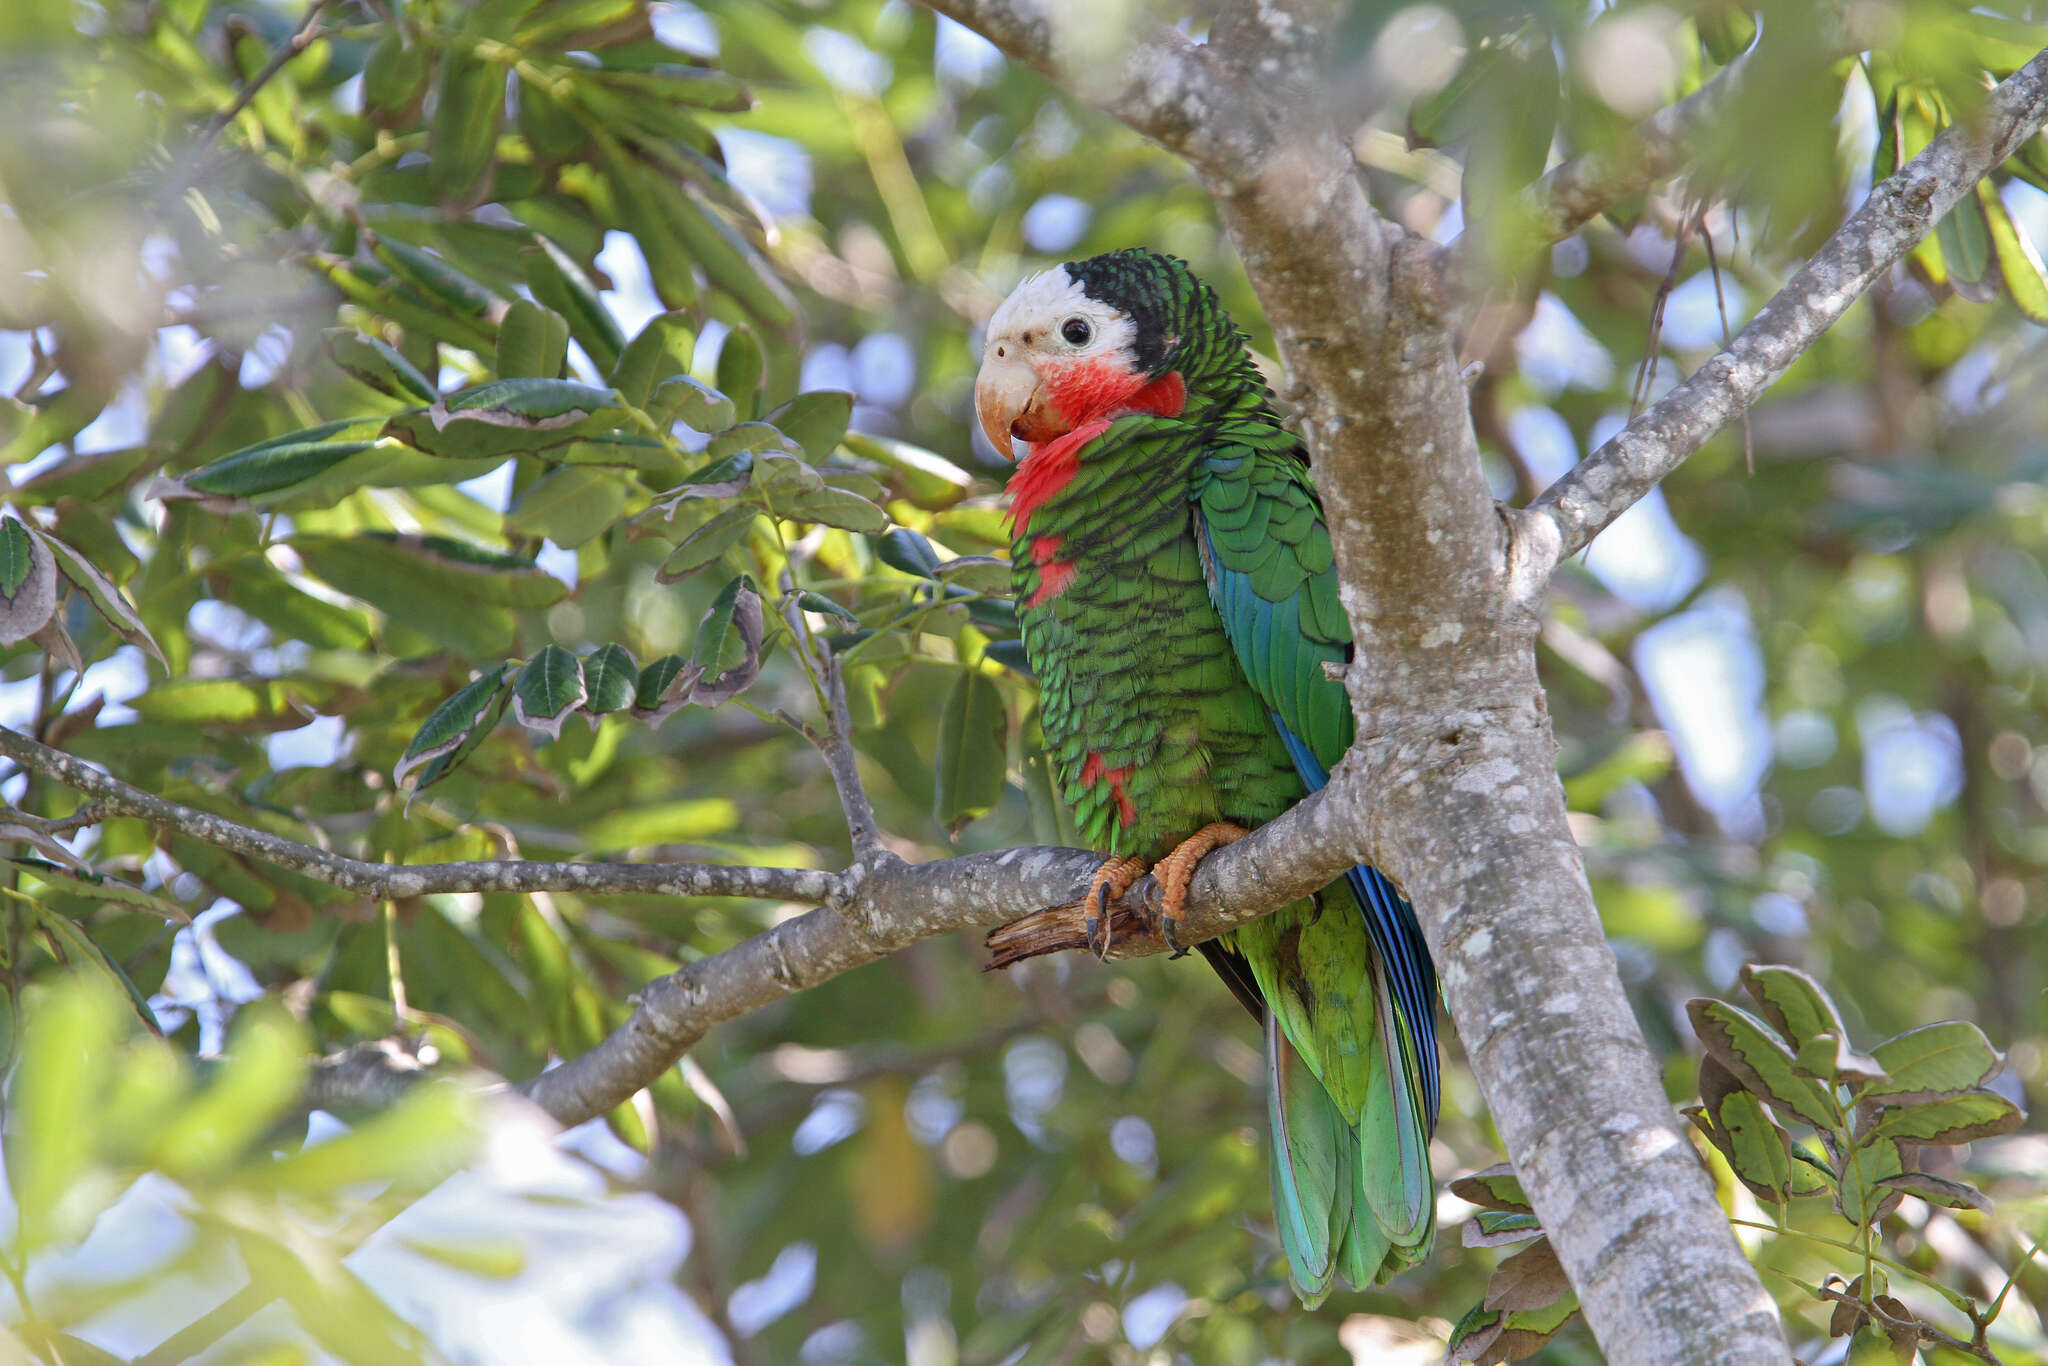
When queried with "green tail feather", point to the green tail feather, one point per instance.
{"points": [[1398, 1188], [1313, 1167], [1350, 1197]]}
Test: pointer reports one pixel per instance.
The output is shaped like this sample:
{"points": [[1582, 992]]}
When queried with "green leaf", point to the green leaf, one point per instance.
{"points": [[740, 363], [609, 680], [469, 100], [1953, 1120], [456, 727], [548, 689], [1937, 1190], [1518, 121], [28, 583], [816, 421], [1966, 246], [818, 602], [51, 1106], [660, 352], [510, 417], [904, 549], [558, 282], [1863, 1197], [644, 203], [691, 402], [983, 574], [1793, 1002], [1498, 1228], [708, 543], [973, 735], [994, 615], [1933, 1062], [437, 281], [1497, 1187], [80, 948], [103, 887], [2019, 265], [569, 505], [730, 263], [724, 478], [1758, 1149], [394, 77], [283, 461], [453, 592], [256, 1084], [106, 599], [425, 1137], [727, 654], [533, 342], [930, 481], [664, 687], [378, 364], [497, 1259], [17, 558], [837, 507], [1738, 1042], [290, 612]]}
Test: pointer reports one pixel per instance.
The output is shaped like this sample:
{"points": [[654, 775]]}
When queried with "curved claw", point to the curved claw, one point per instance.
{"points": [[1108, 886], [1177, 870]]}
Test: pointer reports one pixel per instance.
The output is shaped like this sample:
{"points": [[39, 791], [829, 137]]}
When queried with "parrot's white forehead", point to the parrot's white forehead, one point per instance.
{"points": [[1036, 308]]}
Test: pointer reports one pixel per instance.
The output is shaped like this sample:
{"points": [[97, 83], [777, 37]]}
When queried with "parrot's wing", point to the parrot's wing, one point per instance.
{"points": [[1266, 553]]}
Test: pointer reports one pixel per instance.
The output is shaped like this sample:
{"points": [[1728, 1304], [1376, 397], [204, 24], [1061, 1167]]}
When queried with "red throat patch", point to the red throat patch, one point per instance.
{"points": [[1091, 395]]}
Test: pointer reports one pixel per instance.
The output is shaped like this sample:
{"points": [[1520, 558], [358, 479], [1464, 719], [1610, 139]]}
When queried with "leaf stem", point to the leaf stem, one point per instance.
{"points": [[1956, 1299]]}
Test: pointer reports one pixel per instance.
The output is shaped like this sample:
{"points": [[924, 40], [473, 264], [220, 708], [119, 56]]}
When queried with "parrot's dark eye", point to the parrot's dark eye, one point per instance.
{"points": [[1077, 331]]}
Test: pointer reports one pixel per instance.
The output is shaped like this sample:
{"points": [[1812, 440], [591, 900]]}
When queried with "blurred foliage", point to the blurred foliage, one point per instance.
{"points": [[435, 428]]}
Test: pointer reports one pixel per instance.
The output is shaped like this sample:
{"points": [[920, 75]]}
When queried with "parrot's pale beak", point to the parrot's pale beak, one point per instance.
{"points": [[1009, 401]]}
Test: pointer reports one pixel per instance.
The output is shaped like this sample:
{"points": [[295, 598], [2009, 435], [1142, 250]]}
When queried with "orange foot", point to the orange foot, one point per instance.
{"points": [[1109, 884], [1177, 869]]}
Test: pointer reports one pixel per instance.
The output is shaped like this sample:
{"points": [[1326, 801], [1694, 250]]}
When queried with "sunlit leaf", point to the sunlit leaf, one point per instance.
{"points": [[1933, 1062], [1954, 1119], [1739, 1042]]}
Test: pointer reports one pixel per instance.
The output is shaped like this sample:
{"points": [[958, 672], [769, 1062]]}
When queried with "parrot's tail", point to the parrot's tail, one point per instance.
{"points": [[1352, 1193]]}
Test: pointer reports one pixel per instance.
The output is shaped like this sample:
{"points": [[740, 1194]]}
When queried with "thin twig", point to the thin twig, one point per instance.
{"points": [[308, 32], [1899, 213], [393, 880], [836, 743]]}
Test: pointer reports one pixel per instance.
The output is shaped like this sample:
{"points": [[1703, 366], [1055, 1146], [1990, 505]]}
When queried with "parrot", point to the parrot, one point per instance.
{"points": [[1178, 603]]}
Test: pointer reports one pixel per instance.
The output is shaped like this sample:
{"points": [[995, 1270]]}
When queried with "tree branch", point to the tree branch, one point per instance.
{"points": [[1146, 74], [400, 880], [863, 916], [836, 744], [1574, 192], [1899, 213], [898, 904]]}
